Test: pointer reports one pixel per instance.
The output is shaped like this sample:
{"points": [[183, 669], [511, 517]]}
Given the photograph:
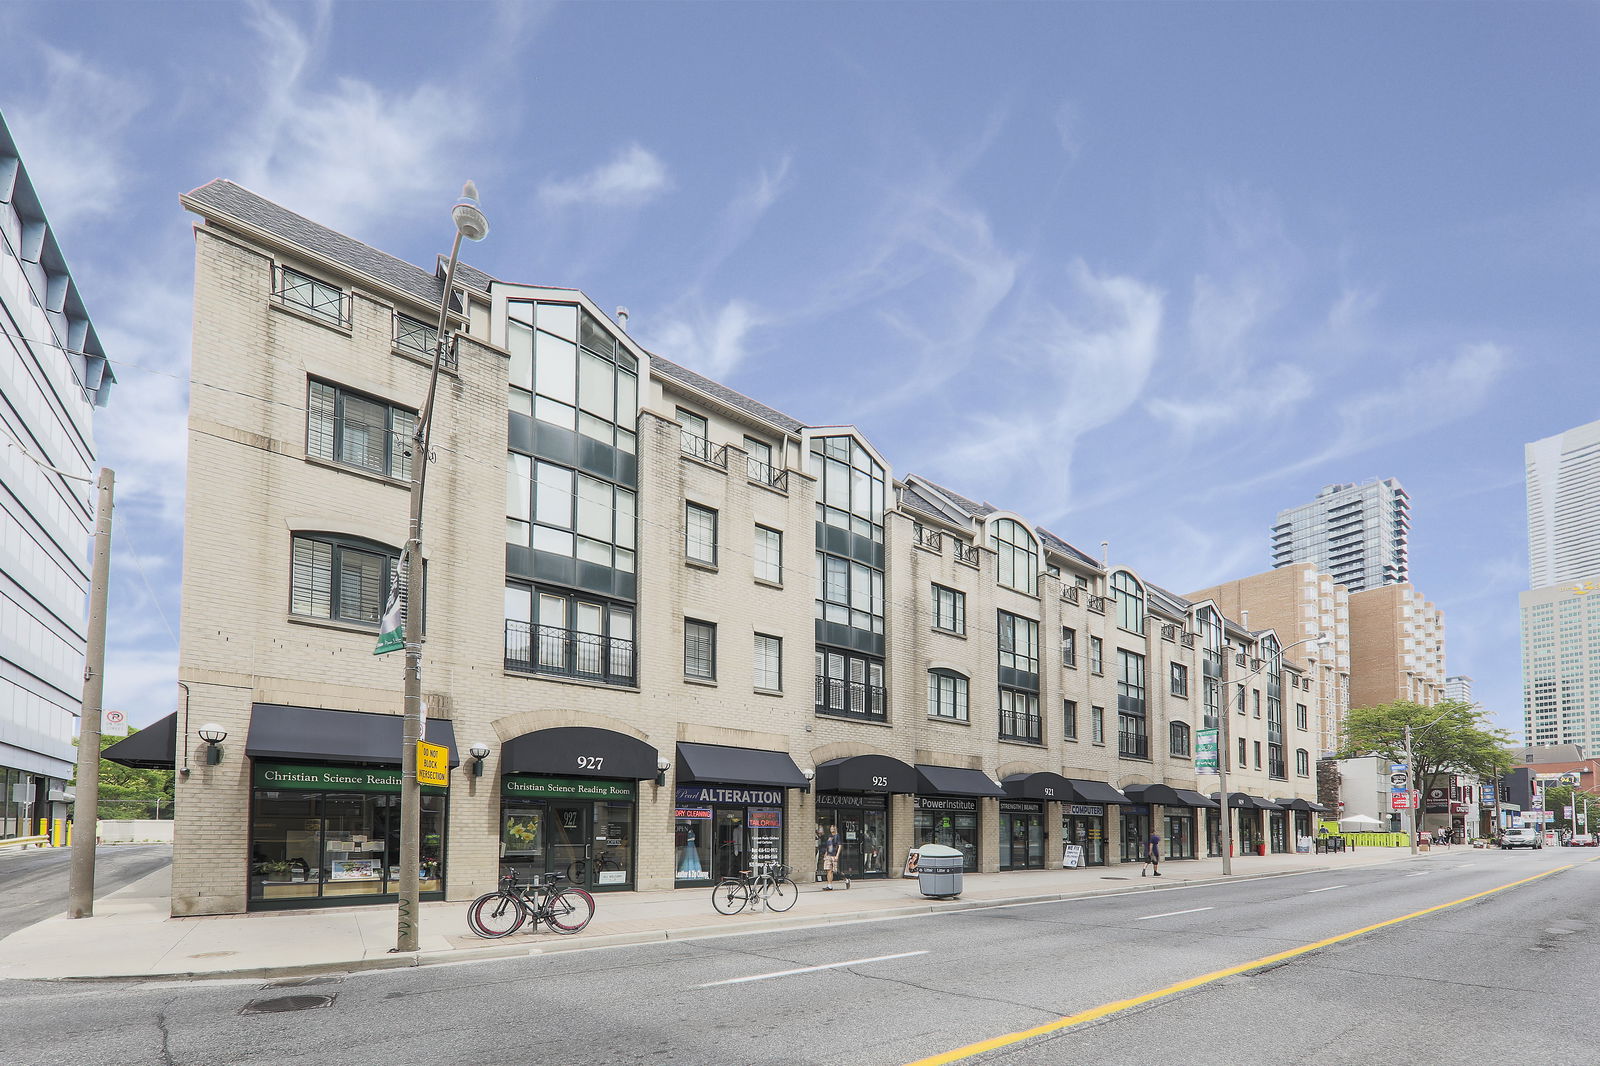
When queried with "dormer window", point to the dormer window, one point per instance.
{"points": [[1129, 595]]}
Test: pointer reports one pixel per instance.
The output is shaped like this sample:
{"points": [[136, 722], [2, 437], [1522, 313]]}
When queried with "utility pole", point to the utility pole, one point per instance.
{"points": [[86, 806], [1223, 755], [1413, 799]]}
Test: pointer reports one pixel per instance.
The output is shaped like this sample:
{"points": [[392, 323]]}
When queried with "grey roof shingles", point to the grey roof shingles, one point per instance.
{"points": [[236, 202], [737, 400]]}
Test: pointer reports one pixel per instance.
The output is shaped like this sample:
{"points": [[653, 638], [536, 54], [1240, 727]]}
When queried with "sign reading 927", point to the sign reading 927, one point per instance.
{"points": [[433, 764]]}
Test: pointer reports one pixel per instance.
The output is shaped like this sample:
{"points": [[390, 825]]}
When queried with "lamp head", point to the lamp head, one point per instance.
{"points": [[469, 218], [479, 751], [212, 733]]}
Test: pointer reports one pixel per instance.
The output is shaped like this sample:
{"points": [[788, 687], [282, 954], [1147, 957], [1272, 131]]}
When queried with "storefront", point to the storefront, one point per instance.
{"points": [[569, 803], [946, 809], [1084, 825], [1022, 844], [1301, 815], [325, 808], [728, 810], [1277, 831], [1179, 837], [853, 795], [1135, 831], [1247, 814]]}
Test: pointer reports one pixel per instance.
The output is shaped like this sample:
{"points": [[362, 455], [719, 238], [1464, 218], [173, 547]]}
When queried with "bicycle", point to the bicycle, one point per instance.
{"points": [[766, 883], [497, 914], [579, 867]]}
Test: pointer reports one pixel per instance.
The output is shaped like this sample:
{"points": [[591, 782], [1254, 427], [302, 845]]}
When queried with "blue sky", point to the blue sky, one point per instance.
{"points": [[1144, 273]]}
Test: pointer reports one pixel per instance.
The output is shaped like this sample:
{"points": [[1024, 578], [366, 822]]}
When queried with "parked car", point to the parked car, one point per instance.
{"points": [[1582, 840], [1521, 838]]}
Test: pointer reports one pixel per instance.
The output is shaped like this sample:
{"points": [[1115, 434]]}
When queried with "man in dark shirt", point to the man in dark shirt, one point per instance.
{"points": [[1152, 853], [832, 845]]}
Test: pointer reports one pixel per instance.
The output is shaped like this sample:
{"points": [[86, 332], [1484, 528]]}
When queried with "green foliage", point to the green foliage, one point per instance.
{"points": [[1447, 737], [1559, 797], [129, 793]]}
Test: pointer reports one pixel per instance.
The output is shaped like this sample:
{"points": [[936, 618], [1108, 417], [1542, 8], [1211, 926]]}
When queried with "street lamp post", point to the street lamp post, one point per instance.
{"points": [[1417, 786], [1224, 823], [471, 224]]}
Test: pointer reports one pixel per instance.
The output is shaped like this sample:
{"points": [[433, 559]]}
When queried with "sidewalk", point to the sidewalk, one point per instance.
{"points": [[131, 934]]}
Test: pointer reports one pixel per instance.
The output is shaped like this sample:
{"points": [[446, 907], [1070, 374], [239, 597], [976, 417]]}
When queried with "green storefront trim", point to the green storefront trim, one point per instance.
{"points": [[565, 788], [285, 777]]}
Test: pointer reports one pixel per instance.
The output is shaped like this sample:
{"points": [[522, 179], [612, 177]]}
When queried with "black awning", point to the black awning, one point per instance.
{"points": [[1191, 798], [718, 764], [281, 731], [1156, 793], [954, 781], [1242, 801], [1096, 792], [579, 751], [1042, 785], [155, 747], [1295, 803], [1262, 803], [866, 773]]}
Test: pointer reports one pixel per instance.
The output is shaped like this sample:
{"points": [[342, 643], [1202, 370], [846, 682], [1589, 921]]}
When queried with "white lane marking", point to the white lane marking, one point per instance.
{"points": [[810, 969], [1169, 914], [1424, 873], [1330, 888]]}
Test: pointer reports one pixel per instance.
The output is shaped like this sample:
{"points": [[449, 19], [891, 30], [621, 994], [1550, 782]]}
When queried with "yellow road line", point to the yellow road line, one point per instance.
{"points": [[1106, 1009]]}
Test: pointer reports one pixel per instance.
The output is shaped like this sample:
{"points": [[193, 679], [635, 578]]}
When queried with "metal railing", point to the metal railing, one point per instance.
{"points": [[1020, 725], [1097, 604], [697, 447], [967, 553], [766, 474], [562, 652], [1131, 743], [418, 339], [932, 539], [1069, 593], [850, 699], [1186, 639], [294, 289], [1169, 632]]}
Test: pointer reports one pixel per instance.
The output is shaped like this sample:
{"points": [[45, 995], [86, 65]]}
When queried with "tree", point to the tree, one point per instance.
{"points": [[129, 793], [1448, 737], [1558, 798]]}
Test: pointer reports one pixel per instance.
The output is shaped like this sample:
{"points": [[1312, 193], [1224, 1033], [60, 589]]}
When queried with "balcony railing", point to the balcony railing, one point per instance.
{"points": [[1069, 593], [1020, 725], [327, 302], [923, 537], [967, 553], [766, 474], [698, 447], [1169, 632], [533, 649], [1131, 744], [1186, 639], [1277, 768], [1097, 604], [418, 339], [851, 699]]}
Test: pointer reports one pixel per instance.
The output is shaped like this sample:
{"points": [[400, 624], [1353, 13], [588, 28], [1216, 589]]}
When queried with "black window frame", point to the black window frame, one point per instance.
{"points": [[338, 544], [688, 507], [396, 458], [1179, 739], [711, 643], [861, 699], [1179, 679], [1019, 722], [1069, 647], [541, 648], [937, 678], [1097, 656], [1069, 720], [957, 601]]}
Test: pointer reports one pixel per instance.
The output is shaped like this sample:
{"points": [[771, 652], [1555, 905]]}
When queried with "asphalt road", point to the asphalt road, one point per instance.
{"points": [[1480, 981], [33, 883]]}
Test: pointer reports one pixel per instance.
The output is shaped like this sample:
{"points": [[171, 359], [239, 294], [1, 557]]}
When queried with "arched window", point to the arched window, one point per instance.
{"points": [[1210, 626], [1130, 601], [947, 695], [1178, 738], [1017, 555], [1302, 762]]}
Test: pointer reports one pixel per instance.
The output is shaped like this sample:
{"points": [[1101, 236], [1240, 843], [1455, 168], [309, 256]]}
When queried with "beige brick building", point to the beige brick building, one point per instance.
{"points": [[1396, 647], [689, 630], [1300, 603]]}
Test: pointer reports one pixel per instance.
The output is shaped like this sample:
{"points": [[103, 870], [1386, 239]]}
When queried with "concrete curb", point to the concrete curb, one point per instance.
{"points": [[492, 952]]}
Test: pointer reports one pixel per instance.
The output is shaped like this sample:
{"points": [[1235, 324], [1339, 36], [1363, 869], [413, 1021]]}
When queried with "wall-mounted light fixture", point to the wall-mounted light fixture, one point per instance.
{"points": [[213, 734], [808, 775], [479, 752], [663, 764]]}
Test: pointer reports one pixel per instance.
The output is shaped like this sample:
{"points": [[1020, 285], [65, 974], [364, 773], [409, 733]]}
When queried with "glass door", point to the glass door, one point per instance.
{"points": [[1135, 831], [612, 863], [567, 827], [728, 855]]}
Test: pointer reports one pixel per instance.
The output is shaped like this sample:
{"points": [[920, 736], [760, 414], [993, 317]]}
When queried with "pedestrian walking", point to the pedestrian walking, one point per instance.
{"points": [[832, 845], [1152, 854]]}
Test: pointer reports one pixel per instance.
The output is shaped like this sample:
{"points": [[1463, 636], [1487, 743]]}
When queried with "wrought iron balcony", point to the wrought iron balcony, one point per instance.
{"points": [[766, 474], [294, 289], [1020, 725], [967, 553], [698, 447], [851, 699], [932, 539], [1132, 745], [1069, 593], [533, 649], [1097, 604]]}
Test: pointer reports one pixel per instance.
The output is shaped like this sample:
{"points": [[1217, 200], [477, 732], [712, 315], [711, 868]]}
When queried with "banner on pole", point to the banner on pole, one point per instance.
{"points": [[392, 630]]}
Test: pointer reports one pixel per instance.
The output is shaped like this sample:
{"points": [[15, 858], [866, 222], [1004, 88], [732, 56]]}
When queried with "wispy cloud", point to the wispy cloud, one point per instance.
{"points": [[635, 177], [1261, 397], [346, 153], [712, 342], [71, 136]]}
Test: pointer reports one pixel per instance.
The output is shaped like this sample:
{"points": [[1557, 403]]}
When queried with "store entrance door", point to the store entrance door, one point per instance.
{"points": [[566, 827], [1022, 841]]}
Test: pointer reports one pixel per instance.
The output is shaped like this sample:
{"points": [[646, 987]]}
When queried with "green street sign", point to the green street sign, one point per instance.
{"points": [[565, 788]]}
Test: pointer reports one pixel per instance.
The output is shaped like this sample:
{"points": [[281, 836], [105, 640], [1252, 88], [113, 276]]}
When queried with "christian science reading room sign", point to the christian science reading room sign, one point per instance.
{"points": [[329, 779]]}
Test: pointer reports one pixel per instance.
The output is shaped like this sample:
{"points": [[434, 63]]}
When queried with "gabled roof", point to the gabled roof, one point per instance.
{"points": [[1059, 545], [1169, 601], [224, 198], [915, 497], [717, 390]]}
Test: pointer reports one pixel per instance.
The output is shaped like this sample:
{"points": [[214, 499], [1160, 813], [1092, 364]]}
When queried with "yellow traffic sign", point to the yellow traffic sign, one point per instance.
{"points": [[433, 764]]}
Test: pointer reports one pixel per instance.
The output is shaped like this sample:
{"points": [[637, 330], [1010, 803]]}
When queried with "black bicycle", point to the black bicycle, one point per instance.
{"points": [[496, 914], [766, 883], [578, 869]]}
